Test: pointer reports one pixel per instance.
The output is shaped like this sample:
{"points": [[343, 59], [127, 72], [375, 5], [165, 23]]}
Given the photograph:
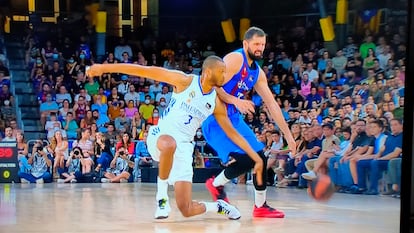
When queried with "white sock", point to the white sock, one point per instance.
{"points": [[259, 197], [210, 206], [220, 180], [162, 189]]}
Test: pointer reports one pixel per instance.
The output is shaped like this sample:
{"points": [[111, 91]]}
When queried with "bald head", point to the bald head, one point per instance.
{"points": [[211, 61]]}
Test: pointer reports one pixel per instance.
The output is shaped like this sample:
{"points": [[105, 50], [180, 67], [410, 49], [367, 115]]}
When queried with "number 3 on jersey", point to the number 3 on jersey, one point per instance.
{"points": [[189, 120]]}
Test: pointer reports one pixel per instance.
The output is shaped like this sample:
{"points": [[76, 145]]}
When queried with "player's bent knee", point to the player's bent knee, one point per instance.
{"points": [[166, 142]]}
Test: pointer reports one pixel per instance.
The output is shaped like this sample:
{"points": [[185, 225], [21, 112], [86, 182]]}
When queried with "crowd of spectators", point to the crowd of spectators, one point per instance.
{"points": [[98, 125]]}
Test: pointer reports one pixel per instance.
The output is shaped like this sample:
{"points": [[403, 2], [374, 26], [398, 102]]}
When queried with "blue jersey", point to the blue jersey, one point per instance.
{"points": [[238, 86], [242, 82]]}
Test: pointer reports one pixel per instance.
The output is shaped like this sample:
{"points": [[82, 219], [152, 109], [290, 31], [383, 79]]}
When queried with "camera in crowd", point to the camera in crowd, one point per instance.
{"points": [[121, 153], [40, 148], [76, 154]]}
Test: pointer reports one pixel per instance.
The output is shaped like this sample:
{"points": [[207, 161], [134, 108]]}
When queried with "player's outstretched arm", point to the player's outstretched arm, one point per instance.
{"points": [[220, 113], [173, 77], [263, 90]]}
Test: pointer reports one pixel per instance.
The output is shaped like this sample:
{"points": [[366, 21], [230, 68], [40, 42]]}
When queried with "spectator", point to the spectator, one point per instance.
{"points": [[364, 47], [94, 131], [329, 75], [101, 93], [7, 112], [312, 73], [155, 89], [70, 126], [119, 167], [305, 85], [111, 135], [125, 58], [87, 121], [47, 108], [330, 146], [142, 157], [391, 149], [100, 121], [40, 163], [165, 93], [360, 162], [103, 152], [63, 95], [123, 87], [116, 99], [49, 53], [84, 143], [153, 120], [52, 126], [42, 96], [83, 93], [6, 95], [296, 101], [92, 87], [122, 123], [72, 167], [22, 152], [56, 72], [277, 154], [60, 151], [126, 143], [122, 48], [138, 126], [339, 62], [146, 109], [99, 106], [77, 81], [15, 129], [132, 95], [81, 108], [312, 96], [131, 109]]}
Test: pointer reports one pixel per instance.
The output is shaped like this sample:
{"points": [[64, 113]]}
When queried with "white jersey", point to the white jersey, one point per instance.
{"points": [[186, 111]]}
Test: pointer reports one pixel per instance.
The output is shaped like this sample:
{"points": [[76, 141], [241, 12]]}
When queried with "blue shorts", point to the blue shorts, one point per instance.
{"points": [[223, 145]]}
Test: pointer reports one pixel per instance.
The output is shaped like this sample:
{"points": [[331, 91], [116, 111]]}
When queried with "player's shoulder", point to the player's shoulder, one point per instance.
{"points": [[234, 60]]}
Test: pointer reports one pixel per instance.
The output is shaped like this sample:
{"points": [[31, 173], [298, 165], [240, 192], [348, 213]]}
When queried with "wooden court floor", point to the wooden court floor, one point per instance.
{"points": [[119, 208]]}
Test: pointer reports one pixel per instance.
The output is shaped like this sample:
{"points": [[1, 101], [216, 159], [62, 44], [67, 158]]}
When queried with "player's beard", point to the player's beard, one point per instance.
{"points": [[253, 56]]}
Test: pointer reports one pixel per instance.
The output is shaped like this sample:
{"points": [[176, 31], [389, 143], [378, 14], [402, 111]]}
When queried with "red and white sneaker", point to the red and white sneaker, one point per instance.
{"points": [[217, 193], [267, 212]]}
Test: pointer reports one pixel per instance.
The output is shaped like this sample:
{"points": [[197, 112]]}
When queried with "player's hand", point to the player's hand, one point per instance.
{"points": [[292, 147], [258, 171], [94, 70], [244, 106]]}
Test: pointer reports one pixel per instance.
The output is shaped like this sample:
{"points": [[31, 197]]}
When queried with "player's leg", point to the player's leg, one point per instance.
{"points": [[166, 146], [241, 164], [188, 207]]}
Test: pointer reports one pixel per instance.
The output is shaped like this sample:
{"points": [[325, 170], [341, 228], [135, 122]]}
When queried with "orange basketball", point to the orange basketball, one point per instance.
{"points": [[322, 188]]}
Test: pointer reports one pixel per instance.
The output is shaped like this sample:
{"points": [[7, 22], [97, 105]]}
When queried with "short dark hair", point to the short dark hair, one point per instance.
{"points": [[253, 31], [380, 123], [328, 125]]}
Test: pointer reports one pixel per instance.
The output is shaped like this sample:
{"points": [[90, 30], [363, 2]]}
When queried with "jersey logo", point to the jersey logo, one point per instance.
{"points": [[208, 106], [242, 85], [191, 96]]}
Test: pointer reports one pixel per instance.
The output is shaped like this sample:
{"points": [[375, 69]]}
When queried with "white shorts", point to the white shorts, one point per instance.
{"points": [[182, 167]]}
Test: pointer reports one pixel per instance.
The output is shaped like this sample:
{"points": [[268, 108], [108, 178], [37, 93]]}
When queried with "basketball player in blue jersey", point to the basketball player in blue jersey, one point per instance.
{"points": [[169, 142], [242, 75]]}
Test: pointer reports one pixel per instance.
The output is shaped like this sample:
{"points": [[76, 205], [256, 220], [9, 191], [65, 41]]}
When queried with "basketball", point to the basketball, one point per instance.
{"points": [[322, 188]]}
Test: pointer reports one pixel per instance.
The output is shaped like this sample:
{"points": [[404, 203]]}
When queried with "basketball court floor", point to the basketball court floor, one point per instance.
{"points": [[119, 208]]}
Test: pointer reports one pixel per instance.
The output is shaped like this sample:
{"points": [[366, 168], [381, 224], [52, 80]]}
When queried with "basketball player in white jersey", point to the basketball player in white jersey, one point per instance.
{"points": [[193, 100]]}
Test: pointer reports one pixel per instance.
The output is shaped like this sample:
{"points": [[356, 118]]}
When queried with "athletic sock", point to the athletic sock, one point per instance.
{"points": [[210, 206], [162, 189], [220, 180], [259, 197]]}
